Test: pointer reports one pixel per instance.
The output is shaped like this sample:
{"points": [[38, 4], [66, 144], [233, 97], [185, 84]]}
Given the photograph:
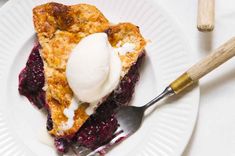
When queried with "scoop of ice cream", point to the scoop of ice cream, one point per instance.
{"points": [[93, 69]]}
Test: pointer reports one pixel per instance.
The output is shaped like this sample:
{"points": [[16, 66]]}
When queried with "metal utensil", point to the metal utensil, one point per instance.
{"points": [[130, 117]]}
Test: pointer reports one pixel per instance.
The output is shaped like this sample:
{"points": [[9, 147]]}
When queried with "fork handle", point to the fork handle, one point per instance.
{"points": [[203, 67]]}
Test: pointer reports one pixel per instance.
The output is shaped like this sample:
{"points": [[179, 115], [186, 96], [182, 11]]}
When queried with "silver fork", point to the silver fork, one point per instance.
{"points": [[130, 117]]}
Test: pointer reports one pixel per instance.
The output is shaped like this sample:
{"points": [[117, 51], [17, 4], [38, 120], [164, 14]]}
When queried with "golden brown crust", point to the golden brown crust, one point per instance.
{"points": [[76, 18], [59, 28], [127, 33]]}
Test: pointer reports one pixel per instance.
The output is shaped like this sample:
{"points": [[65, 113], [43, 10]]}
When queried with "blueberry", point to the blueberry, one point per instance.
{"points": [[32, 79], [62, 145], [97, 133]]}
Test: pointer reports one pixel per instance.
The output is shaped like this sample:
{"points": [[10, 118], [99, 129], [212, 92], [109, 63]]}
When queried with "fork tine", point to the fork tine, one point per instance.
{"points": [[119, 136], [80, 151]]}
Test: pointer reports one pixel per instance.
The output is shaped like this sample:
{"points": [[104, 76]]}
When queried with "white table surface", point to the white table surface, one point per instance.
{"points": [[214, 133]]}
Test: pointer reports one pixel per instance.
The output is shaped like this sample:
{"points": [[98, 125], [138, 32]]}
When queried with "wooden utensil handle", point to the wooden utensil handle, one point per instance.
{"points": [[213, 60], [206, 65], [206, 15]]}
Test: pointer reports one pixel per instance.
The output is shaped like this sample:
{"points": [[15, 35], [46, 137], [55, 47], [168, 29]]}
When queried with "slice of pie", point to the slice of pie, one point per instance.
{"points": [[43, 81]]}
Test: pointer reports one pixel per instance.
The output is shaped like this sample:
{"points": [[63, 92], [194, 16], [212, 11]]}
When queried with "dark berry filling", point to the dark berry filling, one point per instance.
{"points": [[62, 145], [49, 122], [97, 132], [32, 79], [100, 127]]}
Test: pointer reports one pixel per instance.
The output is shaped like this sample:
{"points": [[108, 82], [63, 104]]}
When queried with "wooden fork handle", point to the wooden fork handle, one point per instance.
{"points": [[206, 65], [206, 15]]}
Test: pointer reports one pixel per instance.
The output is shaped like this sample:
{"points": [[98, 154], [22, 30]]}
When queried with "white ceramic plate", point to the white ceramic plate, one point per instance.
{"points": [[165, 132]]}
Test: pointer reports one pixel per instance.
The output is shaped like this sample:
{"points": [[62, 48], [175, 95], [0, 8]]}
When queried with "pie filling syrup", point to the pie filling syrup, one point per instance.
{"points": [[100, 127]]}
